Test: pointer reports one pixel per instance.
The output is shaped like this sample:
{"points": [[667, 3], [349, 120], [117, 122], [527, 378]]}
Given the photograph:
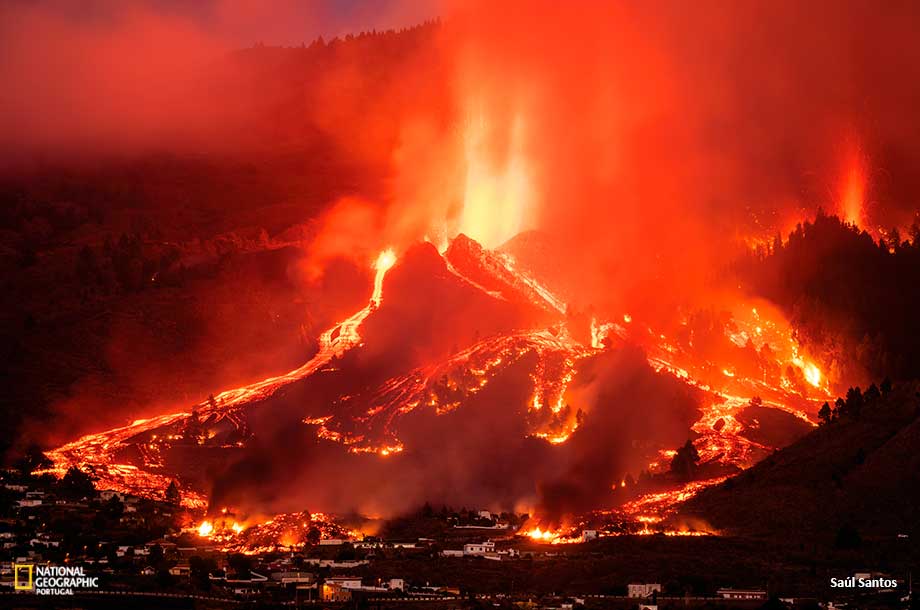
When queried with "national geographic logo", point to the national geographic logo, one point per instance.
{"points": [[22, 576], [51, 580]]}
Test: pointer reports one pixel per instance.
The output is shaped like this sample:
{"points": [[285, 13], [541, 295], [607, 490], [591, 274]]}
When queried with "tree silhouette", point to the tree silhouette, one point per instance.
{"points": [[825, 414], [77, 484], [823, 276], [684, 462], [172, 494]]}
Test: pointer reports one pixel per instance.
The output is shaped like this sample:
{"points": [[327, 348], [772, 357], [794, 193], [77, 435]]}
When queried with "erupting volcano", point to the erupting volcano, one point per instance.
{"points": [[570, 269], [526, 392]]}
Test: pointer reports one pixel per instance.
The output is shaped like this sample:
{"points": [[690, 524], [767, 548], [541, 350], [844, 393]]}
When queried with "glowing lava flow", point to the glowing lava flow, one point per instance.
{"points": [[445, 386], [282, 532], [650, 508], [542, 535], [644, 515], [205, 529], [95, 451], [368, 421], [787, 382]]}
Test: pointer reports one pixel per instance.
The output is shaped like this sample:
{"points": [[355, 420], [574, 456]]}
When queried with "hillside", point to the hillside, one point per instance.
{"points": [[859, 471], [186, 263]]}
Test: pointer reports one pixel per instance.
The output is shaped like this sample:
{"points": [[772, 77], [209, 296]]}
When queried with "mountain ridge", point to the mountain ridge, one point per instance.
{"points": [[858, 471]]}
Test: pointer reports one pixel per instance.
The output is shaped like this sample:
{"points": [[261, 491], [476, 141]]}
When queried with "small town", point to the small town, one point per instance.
{"points": [[156, 550]]}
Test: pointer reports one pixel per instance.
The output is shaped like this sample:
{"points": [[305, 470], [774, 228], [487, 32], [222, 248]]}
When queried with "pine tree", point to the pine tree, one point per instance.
{"points": [[172, 493]]}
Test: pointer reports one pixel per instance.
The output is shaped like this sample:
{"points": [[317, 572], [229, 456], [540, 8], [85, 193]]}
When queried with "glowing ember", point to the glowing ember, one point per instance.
{"points": [[812, 374], [538, 534], [205, 529], [287, 531]]}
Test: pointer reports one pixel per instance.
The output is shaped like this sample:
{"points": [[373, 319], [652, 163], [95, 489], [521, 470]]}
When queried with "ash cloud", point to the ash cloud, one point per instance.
{"points": [[659, 133], [650, 140], [103, 79], [642, 135]]}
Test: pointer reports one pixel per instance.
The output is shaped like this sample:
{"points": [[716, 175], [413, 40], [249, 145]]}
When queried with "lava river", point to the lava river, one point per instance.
{"points": [[130, 458]]}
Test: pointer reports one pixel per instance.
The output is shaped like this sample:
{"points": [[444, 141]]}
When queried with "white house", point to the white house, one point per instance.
{"points": [[587, 535], [346, 582], [180, 570], [44, 539], [642, 589], [332, 592], [286, 578], [480, 548]]}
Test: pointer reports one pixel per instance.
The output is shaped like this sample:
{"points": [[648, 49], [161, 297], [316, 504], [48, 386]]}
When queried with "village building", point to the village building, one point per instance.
{"points": [[182, 570], [331, 542], [299, 578], [347, 582], [333, 592], [741, 594], [642, 590], [480, 548]]}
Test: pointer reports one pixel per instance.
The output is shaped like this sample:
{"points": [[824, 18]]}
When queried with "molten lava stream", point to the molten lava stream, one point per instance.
{"points": [[372, 427], [96, 450]]}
